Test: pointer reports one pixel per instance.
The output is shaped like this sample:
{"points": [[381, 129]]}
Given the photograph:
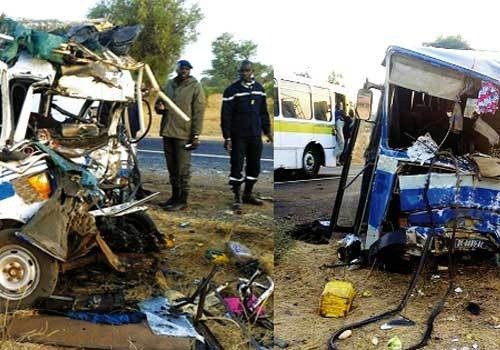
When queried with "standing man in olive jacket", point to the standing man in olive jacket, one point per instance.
{"points": [[244, 118], [179, 136]]}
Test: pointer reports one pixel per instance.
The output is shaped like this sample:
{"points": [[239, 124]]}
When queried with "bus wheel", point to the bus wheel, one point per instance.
{"points": [[26, 273], [310, 162]]}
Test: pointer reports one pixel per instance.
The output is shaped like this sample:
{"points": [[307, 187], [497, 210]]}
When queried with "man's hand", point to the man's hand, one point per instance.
{"points": [[195, 142], [270, 138], [228, 145], [159, 107]]}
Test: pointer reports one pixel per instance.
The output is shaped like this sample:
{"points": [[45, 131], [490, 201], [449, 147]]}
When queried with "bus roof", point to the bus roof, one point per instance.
{"points": [[479, 64], [296, 78]]}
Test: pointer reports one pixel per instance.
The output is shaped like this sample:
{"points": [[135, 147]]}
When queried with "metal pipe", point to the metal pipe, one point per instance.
{"points": [[138, 92], [7, 120], [266, 294], [161, 94]]}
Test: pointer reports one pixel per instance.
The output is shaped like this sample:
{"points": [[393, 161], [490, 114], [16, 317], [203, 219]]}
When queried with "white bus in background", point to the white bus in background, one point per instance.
{"points": [[304, 123]]}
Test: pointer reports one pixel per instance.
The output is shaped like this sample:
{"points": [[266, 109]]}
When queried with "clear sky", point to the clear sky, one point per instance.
{"points": [[349, 36]]}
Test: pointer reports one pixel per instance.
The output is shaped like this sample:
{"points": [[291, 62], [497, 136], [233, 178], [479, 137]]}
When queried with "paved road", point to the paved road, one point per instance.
{"points": [[210, 155], [304, 200]]}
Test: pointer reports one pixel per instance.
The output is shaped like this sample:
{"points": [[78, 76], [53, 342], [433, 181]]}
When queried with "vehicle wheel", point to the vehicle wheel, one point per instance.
{"points": [[310, 162], [26, 273], [131, 233], [151, 239]]}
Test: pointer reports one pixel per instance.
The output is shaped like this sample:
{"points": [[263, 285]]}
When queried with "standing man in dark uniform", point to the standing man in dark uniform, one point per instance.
{"points": [[244, 118], [179, 136]]}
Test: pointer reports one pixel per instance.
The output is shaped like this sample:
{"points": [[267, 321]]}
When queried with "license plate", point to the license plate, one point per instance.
{"points": [[469, 244]]}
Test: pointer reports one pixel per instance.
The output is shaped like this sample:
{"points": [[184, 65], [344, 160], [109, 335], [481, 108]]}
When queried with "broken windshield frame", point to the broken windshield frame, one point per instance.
{"points": [[448, 71]]}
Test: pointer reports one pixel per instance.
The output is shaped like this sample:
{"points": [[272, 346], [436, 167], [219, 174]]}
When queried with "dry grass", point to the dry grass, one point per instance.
{"points": [[18, 345], [211, 122], [300, 283]]}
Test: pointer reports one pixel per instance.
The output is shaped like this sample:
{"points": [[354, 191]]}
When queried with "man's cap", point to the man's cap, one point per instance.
{"points": [[244, 64], [183, 64]]}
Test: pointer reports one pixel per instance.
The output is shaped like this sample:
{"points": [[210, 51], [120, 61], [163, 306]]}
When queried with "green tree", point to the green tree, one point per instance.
{"points": [[228, 53], [168, 26], [449, 42]]}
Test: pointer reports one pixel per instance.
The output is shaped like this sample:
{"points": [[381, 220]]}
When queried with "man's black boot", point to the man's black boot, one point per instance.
{"points": [[248, 198], [142, 193], [176, 193], [180, 204], [237, 197]]}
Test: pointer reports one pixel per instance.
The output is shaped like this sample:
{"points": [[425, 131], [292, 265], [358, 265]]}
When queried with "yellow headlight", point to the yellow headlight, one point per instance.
{"points": [[41, 184]]}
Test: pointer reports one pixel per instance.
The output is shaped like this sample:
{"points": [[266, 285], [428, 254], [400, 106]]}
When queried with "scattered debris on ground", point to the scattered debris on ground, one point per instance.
{"points": [[300, 279]]}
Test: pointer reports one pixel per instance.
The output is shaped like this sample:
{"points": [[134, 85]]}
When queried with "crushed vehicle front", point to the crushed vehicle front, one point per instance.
{"points": [[68, 167], [432, 166]]}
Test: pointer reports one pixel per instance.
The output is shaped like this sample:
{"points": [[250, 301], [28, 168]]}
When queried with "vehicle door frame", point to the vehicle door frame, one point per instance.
{"points": [[7, 122]]}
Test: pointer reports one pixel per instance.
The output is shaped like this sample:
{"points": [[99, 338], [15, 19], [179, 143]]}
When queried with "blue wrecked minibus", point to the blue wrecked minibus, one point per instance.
{"points": [[429, 158]]}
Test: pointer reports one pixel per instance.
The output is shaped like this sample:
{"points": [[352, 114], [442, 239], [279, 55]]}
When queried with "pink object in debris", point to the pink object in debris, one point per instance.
{"points": [[487, 101], [234, 305], [250, 303]]}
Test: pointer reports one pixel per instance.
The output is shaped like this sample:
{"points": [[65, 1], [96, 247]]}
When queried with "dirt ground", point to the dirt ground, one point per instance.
{"points": [[300, 281], [208, 223], [211, 225]]}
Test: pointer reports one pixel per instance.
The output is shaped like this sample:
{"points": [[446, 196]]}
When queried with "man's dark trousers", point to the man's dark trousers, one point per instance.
{"points": [[178, 163], [251, 149]]}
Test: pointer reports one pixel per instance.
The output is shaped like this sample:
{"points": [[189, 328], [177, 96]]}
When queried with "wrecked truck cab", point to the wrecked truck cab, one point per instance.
{"points": [[431, 165], [68, 166]]}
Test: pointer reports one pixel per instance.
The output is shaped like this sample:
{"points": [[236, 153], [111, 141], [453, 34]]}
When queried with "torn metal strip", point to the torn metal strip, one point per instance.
{"points": [[383, 183], [120, 209], [442, 192]]}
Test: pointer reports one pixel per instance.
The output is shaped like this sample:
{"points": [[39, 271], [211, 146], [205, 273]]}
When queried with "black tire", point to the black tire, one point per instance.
{"points": [[131, 233], [152, 240], [39, 272], [310, 162]]}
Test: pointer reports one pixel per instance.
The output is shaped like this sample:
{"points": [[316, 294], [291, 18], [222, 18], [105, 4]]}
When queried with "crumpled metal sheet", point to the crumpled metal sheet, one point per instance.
{"points": [[163, 322], [423, 149], [483, 221], [442, 192], [59, 216], [488, 166], [87, 180], [48, 228], [38, 43], [97, 70]]}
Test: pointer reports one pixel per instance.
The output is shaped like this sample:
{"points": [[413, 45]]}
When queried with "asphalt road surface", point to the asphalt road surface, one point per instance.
{"points": [[209, 156], [303, 200]]}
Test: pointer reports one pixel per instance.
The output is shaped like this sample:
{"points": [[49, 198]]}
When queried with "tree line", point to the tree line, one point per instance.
{"points": [[168, 27]]}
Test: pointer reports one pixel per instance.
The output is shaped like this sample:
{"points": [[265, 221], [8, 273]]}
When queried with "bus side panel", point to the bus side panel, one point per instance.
{"points": [[329, 145], [289, 151], [285, 159]]}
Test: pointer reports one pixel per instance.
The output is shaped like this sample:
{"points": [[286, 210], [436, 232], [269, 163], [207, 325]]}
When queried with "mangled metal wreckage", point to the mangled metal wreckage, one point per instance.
{"points": [[68, 170], [432, 164]]}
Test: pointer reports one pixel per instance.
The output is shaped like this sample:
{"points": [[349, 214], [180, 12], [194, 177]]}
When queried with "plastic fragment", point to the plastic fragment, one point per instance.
{"points": [[394, 344], [345, 334]]}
